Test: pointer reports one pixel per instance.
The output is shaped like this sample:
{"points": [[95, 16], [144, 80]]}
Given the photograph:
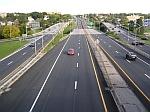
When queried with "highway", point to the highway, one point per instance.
{"points": [[128, 37], [61, 82], [137, 72], [11, 62]]}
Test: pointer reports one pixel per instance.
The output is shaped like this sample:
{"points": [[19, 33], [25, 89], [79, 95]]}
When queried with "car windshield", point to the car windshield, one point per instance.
{"points": [[132, 53]]}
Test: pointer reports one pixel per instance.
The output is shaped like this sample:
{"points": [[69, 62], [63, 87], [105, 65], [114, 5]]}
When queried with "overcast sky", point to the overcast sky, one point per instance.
{"points": [[76, 6]]}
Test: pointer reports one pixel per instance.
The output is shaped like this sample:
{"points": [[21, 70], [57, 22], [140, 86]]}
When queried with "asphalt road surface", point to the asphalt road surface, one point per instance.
{"points": [[11, 62], [60, 82], [128, 37], [138, 71]]}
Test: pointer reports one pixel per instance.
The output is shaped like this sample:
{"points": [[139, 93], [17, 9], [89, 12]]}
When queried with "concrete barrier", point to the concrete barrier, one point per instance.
{"points": [[125, 99]]}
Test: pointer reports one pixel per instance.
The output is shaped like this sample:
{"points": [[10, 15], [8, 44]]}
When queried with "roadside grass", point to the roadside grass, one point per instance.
{"points": [[112, 34], [7, 48], [57, 39], [147, 30]]}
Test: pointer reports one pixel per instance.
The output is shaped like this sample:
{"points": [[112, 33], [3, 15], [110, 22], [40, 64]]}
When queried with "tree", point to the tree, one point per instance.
{"points": [[139, 23], [10, 32], [1, 29], [131, 26]]}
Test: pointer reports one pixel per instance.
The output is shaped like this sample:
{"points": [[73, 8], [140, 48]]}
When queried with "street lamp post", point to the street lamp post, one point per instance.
{"points": [[42, 40], [128, 32], [136, 32]]}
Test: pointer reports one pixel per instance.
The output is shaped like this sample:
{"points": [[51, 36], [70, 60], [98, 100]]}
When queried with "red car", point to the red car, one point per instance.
{"points": [[141, 43], [71, 51]]}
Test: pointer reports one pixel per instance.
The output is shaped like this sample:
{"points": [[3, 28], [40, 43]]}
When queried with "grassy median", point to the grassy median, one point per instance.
{"points": [[57, 39], [7, 48]]}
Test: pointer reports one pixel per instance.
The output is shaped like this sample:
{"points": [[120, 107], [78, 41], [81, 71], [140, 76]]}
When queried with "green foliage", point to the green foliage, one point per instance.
{"points": [[131, 26], [9, 47], [114, 35], [103, 27], [22, 28], [10, 32], [1, 30], [140, 30]]}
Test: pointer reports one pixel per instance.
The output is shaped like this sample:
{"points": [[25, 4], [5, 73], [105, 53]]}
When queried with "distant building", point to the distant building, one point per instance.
{"points": [[146, 22], [30, 19], [46, 17], [3, 14], [134, 17]]}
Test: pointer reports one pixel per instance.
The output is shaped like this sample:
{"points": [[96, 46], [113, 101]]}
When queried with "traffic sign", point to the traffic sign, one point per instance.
{"points": [[91, 23]]}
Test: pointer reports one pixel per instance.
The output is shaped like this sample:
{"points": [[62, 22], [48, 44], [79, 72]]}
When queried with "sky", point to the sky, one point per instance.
{"points": [[75, 6]]}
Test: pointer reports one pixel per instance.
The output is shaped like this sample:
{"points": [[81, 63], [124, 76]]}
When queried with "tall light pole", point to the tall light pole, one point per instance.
{"points": [[42, 39], [26, 31]]}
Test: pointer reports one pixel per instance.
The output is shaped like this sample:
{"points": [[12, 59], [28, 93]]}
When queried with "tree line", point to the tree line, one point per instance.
{"points": [[20, 20]]}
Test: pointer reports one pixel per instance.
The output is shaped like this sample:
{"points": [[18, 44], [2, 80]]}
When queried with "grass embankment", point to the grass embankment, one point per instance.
{"points": [[57, 39], [114, 35], [7, 48]]}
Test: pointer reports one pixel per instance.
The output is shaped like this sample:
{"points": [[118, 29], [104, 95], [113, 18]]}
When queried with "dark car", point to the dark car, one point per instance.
{"points": [[31, 44], [144, 38], [71, 51], [141, 43], [135, 42], [131, 56]]}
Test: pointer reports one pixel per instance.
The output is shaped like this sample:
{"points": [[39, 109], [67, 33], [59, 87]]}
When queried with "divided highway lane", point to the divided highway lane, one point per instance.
{"points": [[10, 63], [138, 71], [128, 37], [58, 82]]}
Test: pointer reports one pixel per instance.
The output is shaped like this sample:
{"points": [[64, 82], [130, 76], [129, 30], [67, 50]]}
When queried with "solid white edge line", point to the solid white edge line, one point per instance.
{"points": [[47, 78], [75, 85]]}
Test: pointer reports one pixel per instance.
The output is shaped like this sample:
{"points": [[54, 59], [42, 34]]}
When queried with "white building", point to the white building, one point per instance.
{"points": [[146, 22]]}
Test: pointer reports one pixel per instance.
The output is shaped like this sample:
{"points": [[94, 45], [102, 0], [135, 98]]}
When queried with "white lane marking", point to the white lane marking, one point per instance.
{"points": [[78, 54], [79, 40], [79, 43], [128, 61], [75, 87], [117, 52], [37, 97], [24, 53], [128, 51], [104, 42], [109, 46], [143, 61], [147, 76], [77, 64], [10, 63], [101, 39], [79, 47]]}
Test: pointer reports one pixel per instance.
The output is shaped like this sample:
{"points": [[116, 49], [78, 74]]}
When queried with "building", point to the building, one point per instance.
{"points": [[134, 18], [146, 22], [3, 14], [46, 17]]}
